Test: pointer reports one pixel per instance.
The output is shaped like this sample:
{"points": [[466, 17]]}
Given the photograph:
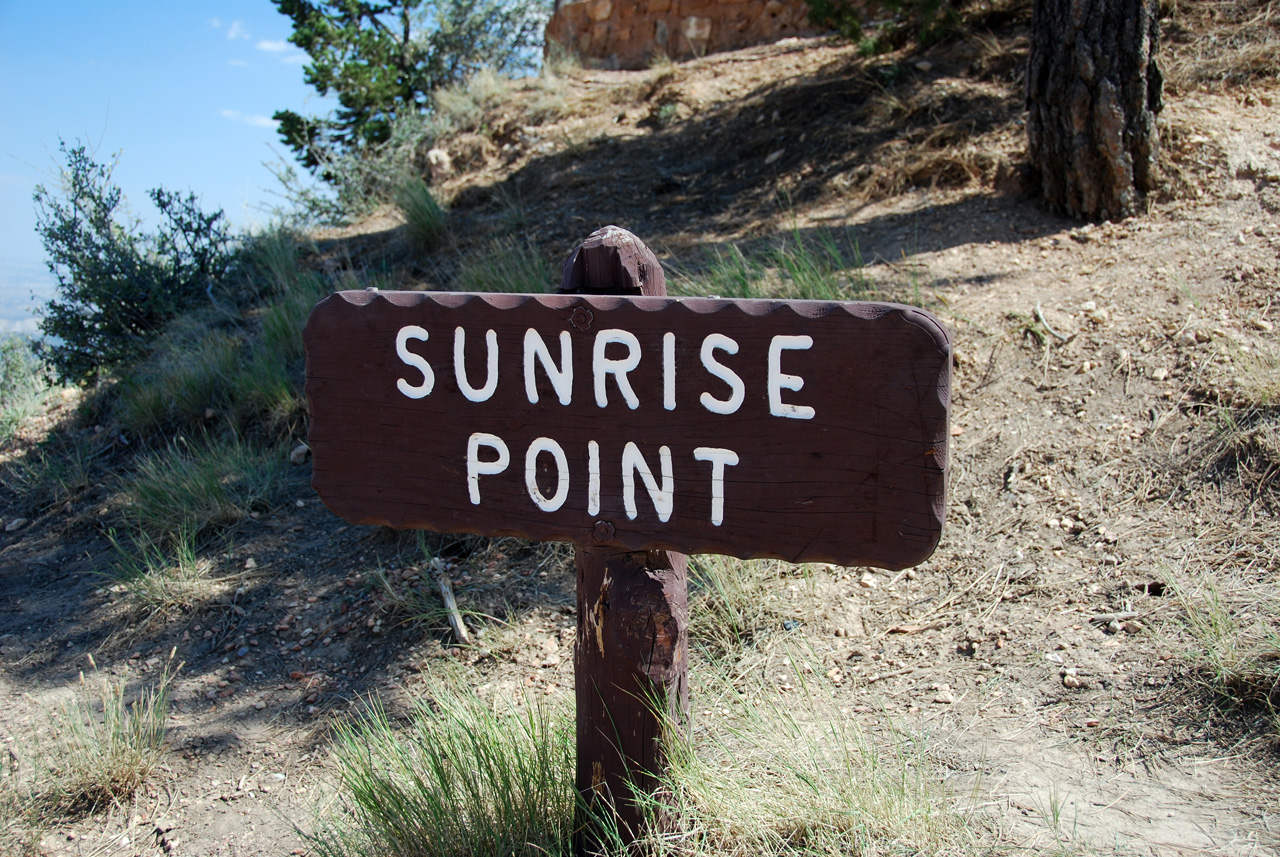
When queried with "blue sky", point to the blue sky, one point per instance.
{"points": [[183, 91]]}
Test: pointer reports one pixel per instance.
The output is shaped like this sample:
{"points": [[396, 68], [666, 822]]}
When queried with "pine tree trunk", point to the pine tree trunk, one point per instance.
{"points": [[1093, 92]]}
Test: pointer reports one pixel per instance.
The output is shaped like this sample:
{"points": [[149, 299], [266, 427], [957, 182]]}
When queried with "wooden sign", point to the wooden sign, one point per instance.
{"points": [[804, 430]]}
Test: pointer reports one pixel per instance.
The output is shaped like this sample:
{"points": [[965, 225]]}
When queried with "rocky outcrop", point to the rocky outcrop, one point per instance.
{"points": [[622, 34]]}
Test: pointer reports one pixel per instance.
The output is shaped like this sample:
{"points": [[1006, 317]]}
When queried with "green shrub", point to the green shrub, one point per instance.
{"points": [[931, 20], [117, 286]]}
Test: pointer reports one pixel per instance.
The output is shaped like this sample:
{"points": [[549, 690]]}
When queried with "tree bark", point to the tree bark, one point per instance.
{"points": [[1093, 93]]}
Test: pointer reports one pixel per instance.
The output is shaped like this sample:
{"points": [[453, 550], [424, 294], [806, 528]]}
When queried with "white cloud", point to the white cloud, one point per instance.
{"points": [[272, 47], [238, 63], [237, 31], [254, 119], [215, 23], [295, 59]]}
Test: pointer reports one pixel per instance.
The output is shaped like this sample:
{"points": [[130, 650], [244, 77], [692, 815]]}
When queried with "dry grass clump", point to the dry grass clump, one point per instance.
{"points": [[774, 775], [1231, 617], [1225, 42], [95, 750], [161, 577]]}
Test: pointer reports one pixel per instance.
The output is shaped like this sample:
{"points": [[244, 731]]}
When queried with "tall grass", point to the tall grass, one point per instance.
{"points": [[729, 602], [1235, 640], [191, 488], [462, 778]]}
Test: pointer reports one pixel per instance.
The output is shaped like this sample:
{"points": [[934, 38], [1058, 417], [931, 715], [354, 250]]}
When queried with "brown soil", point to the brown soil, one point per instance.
{"points": [[1094, 366]]}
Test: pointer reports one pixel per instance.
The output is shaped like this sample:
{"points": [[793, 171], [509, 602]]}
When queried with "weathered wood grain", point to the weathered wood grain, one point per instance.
{"points": [[631, 652], [861, 483]]}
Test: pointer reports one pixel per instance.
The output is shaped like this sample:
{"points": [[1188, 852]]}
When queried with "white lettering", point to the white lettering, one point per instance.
{"points": [[779, 382], [561, 377], [663, 498], [473, 394], [540, 445], [593, 478], [738, 390], [476, 468], [719, 458], [669, 371], [417, 361], [618, 368]]}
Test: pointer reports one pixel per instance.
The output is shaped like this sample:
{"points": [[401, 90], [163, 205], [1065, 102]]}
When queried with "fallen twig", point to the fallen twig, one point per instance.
{"points": [[451, 604], [1040, 318]]}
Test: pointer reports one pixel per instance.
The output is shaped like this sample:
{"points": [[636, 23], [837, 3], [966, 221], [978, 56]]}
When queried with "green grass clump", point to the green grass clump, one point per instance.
{"points": [[729, 274], [818, 269], [51, 473], [192, 488], [505, 265], [186, 375], [463, 777], [426, 223], [163, 577]]}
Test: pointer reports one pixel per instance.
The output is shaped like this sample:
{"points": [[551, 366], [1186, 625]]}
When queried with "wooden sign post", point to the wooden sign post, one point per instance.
{"points": [[634, 425]]}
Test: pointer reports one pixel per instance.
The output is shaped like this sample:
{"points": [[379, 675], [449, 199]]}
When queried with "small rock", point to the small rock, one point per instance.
{"points": [[1114, 627], [1089, 306], [1099, 315], [15, 524], [924, 65], [774, 156], [1092, 722], [1131, 627], [945, 696], [259, 705], [1261, 324], [250, 563], [1160, 374], [868, 581], [440, 163], [1073, 681], [1203, 336], [299, 454]]}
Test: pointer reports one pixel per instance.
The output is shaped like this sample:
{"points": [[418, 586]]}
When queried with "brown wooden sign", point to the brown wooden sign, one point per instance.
{"points": [[804, 430]]}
